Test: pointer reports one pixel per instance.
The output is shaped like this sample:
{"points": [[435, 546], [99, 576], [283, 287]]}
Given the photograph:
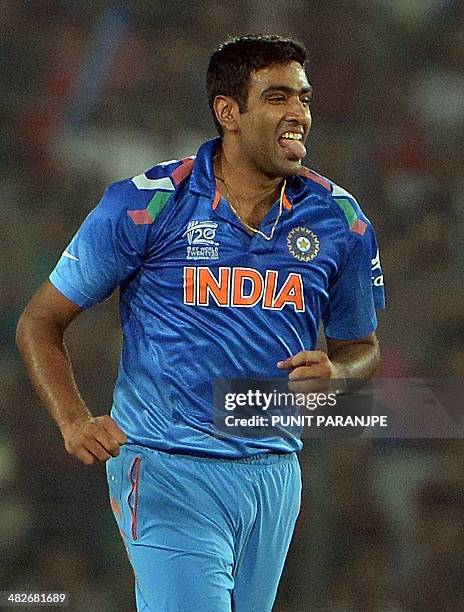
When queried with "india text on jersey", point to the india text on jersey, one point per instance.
{"points": [[242, 288]]}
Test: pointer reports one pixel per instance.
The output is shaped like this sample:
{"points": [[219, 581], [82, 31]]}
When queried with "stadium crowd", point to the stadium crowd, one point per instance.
{"points": [[92, 92]]}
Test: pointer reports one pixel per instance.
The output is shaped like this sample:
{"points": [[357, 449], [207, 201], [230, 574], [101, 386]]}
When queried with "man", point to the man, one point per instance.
{"points": [[226, 263]]}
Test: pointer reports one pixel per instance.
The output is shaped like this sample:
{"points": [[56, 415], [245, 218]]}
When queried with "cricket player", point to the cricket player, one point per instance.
{"points": [[226, 263]]}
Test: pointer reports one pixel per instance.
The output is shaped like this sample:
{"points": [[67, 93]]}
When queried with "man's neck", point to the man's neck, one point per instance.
{"points": [[250, 192]]}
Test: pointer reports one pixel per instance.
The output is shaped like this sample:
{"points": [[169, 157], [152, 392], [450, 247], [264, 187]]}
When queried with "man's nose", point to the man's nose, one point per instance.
{"points": [[298, 111]]}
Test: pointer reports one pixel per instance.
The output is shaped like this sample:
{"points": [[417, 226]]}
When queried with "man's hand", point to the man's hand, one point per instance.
{"points": [[93, 439], [344, 360], [309, 364], [306, 367]]}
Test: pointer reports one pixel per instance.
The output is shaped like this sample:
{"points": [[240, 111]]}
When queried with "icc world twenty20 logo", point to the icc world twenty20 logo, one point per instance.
{"points": [[201, 238], [201, 233]]}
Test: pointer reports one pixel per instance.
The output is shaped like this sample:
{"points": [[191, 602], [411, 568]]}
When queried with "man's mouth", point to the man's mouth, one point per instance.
{"points": [[292, 144]]}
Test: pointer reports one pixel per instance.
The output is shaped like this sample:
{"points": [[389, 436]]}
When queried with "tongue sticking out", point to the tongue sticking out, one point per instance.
{"points": [[294, 149]]}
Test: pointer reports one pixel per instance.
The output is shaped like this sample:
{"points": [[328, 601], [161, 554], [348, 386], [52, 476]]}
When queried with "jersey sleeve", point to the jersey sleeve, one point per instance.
{"points": [[106, 250], [358, 290]]}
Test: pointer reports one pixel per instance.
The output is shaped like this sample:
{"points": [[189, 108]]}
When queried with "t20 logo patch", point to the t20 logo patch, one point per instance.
{"points": [[201, 238]]}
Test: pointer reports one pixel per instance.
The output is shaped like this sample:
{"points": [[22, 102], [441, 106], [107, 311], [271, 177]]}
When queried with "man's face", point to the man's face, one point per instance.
{"points": [[276, 124]]}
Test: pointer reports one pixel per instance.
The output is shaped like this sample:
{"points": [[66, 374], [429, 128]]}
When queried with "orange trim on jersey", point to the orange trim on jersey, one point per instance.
{"points": [[183, 170], [286, 202], [313, 176], [359, 227], [140, 217], [217, 198]]}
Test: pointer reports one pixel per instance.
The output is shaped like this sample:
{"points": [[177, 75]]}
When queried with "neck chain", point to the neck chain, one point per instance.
{"points": [[253, 229]]}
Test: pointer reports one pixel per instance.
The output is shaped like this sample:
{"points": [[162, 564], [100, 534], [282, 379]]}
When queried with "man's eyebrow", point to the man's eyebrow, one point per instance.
{"points": [[286, 89]]}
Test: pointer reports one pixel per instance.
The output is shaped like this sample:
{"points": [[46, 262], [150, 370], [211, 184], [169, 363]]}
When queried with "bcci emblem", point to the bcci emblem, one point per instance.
{"points": [[303, 243]]}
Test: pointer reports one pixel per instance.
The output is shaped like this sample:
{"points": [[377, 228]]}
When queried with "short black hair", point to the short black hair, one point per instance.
{"points": [[231, 64]]}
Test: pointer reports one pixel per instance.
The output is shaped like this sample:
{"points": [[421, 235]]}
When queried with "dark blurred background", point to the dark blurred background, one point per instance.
{"points": [[95, 91]]}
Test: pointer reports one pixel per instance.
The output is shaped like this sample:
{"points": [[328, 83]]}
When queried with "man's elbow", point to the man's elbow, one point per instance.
{"points": [[373, 342], [25, 327], [35, 324], [48, 314], [374, 357]]}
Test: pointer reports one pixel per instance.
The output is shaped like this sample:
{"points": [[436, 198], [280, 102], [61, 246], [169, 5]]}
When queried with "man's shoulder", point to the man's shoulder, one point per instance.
{"points": [[164, 176], [145, 195], [314, 180], [341, 202]]}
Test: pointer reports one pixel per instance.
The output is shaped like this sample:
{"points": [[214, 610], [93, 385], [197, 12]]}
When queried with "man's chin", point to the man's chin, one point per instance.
{"points": [[280, 166], [288, 167], [288, 163]]}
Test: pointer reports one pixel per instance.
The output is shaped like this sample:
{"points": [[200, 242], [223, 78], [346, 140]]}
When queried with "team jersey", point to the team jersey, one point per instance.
{"points": [[202, 300]]}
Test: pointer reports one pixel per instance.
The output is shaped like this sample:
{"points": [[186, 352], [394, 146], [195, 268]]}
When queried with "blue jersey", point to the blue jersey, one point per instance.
{"points": [[201, 299]]}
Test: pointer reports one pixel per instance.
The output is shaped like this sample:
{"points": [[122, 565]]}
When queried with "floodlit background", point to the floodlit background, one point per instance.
{"points": [[92, 92]]}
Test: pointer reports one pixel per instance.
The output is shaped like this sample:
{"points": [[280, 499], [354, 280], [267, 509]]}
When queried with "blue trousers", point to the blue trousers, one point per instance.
{"points": [[204, 534]]}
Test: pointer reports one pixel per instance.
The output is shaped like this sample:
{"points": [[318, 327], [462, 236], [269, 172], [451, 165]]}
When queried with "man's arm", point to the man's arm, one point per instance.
{"points": [[354, 358], [345, 359], [40, 340]]}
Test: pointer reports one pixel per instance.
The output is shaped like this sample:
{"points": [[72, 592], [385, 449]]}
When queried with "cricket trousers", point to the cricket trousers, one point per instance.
{"points": [[204, 534]]}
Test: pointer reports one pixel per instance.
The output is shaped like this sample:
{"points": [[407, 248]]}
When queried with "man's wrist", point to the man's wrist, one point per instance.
{"points": [[67, 424]]}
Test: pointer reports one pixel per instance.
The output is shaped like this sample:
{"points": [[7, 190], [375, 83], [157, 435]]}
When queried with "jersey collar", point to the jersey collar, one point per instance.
{"points": [[202, 181]]}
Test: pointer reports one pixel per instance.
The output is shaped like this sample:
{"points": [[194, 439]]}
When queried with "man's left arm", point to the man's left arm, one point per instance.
{"points": [[345, 359], [354, 358]]}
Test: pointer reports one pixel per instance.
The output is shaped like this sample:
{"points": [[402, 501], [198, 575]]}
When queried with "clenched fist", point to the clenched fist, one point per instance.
{"points": [[93, 439], [308, 367]]}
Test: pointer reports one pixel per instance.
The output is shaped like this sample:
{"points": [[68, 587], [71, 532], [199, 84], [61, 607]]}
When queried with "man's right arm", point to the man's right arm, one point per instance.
{"points": [[40, 340]]}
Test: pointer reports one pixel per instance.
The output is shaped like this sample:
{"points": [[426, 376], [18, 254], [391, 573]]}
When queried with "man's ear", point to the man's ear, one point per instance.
{"points": [[227, 113]]}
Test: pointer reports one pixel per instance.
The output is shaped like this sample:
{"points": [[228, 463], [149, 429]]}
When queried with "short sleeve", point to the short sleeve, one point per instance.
{"points": [[357, 291], [106, 250]]}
